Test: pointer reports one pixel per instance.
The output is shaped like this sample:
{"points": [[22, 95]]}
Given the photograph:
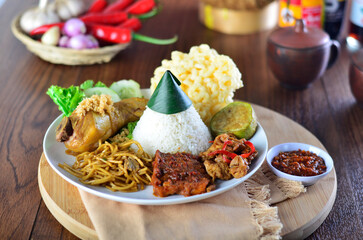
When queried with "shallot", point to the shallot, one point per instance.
{"points": [[79, 42], [92, 43], [74, 27], [63, 41]]}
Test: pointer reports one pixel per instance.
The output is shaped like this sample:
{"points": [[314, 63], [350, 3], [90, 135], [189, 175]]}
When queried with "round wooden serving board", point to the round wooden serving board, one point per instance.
{"points": [[300, 216]]}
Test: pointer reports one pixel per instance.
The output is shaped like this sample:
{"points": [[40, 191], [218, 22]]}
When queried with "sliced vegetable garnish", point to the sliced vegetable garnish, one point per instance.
{"points": [[238, 118], [67, 99], [224, 152], [252, 149], [102, 90], [225, 144], [126, 89], [232, 155]]}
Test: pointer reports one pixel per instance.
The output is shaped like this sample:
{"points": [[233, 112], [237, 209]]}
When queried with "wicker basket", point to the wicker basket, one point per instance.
{"points": [[66, 56]]}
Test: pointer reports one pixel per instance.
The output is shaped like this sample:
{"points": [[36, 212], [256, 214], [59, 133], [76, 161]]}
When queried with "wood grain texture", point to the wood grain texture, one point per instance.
{"points": [[327, 109], [300, 216], [74, 218]]}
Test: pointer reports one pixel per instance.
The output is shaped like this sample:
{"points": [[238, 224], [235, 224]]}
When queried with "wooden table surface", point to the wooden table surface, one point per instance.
{"points": [[327, 109]]}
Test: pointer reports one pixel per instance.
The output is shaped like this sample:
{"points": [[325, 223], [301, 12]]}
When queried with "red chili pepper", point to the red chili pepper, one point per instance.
{"points": [[141, 6], [118, 6], [123, 35], [105, 18], [149, 14], [44, 28], [252, 149], [97, 6], [226, 143], [233, 155], [111, 34], [224, 152], [132, 23], [226, 159]]}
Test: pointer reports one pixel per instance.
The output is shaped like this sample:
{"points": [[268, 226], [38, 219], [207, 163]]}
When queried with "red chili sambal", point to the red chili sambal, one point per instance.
{"points": [[299, 163]]}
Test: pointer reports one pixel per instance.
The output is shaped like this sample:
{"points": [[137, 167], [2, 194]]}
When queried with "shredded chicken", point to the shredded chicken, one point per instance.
{"points": [[121, 137], [217, 145], [238, 167], [217, 170], [101, 104], [220, 166]]}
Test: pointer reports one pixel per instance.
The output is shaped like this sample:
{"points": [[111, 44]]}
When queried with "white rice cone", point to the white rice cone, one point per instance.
{"points": [[171, 133]]}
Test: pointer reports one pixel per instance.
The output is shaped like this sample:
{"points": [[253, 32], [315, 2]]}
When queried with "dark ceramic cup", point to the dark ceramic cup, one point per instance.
{"points": [[356, 76], [298, 55]]}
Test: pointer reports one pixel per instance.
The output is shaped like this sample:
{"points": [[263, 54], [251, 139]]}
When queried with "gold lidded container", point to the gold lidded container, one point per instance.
{"points": [[238, 16]]}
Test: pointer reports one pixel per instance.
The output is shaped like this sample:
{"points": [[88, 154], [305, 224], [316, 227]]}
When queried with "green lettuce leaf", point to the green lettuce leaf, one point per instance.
{"points": [[131, 126], [67, 99], [100, 84], [87, 84]]}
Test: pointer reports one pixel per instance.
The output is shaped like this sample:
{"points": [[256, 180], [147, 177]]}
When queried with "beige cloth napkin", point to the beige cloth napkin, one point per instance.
{"points": [[241, 213]]}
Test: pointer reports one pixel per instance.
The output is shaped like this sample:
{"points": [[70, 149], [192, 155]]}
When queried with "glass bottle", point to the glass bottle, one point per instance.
{"points": [[334, 15], [355, 35]]}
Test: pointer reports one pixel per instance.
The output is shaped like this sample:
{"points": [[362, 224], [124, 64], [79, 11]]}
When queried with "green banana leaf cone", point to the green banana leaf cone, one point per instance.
{"points": [[168, 97]]}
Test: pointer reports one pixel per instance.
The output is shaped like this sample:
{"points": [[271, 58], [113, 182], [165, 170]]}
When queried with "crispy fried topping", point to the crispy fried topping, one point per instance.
{"points": [[101, 104]]}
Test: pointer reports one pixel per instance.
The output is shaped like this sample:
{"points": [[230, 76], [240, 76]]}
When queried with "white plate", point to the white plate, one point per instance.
{"points": [[55, 154]]}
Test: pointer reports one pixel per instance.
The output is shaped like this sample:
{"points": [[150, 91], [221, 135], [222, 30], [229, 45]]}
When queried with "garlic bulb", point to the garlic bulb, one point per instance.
{"points": [[36, 17], [51, 13], [67, 9]]}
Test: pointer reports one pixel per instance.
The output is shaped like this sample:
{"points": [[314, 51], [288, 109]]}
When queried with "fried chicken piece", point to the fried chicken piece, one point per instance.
{"points": [[86, 126]]}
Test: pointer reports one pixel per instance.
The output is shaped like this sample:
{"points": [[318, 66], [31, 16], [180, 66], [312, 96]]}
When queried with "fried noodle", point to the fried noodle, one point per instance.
{"points": [[113, 165]]}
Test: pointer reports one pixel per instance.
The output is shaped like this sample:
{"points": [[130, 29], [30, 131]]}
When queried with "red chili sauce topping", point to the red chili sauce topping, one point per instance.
{"points": [[299, 163]]}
